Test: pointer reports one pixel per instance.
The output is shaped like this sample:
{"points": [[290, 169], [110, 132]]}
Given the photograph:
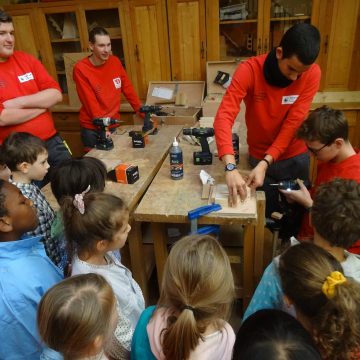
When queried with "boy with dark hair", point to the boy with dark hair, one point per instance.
{"points": [[325, 133], [335, 215], [277, 89], [26, 273], [4, 170], [26, 156]]}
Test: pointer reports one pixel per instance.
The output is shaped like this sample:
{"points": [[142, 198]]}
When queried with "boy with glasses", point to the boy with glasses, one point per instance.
{"points": [[325, 133]]}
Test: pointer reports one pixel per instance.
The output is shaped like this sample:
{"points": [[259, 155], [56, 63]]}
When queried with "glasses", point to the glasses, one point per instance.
{"points": [[316, 151]]}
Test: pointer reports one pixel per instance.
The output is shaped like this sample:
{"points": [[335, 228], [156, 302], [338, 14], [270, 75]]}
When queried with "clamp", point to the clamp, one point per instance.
{"points": [[193, 216]]}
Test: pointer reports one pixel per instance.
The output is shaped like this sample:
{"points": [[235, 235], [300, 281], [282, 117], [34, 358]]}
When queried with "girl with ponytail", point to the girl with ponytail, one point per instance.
{"points": [[189, 321]]}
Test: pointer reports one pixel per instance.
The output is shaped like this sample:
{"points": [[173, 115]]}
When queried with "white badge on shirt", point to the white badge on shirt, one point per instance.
{"points": [[117, 83], [26, 77], [289, 99]]}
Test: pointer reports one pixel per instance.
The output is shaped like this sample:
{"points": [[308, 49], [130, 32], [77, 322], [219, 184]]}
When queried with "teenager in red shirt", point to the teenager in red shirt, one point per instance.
{"points": [[100, 80], [277, 89], [325, 133], [26, 93]]}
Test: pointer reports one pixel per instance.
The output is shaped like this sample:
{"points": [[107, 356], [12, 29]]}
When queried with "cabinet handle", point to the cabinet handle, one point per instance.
{"points": [[259, 47], [265, 46], [137, 53], [202, 51], [326, 43]]}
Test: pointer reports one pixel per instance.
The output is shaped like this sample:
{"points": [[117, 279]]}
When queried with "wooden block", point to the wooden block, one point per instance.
{"points": [[247, 207]]}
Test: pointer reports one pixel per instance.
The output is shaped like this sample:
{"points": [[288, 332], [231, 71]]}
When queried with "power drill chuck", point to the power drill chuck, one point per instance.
{"points": [[105, 121], [150, 109], [199, 132]]}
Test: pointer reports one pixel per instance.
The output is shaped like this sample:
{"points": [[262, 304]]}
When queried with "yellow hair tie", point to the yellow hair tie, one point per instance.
{"points": [[335, 278]]}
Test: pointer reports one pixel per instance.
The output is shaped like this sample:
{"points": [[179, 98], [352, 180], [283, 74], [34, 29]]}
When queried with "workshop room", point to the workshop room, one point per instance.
{"points": [[179, 179]]}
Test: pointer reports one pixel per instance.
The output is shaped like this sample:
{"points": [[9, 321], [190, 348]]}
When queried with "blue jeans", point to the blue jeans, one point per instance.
{"points": [[296, 167]]}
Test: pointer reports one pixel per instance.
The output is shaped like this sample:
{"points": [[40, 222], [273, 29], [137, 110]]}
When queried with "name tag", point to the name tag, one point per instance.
{"points": [[290, 99], [117, 83], [26, 77]]}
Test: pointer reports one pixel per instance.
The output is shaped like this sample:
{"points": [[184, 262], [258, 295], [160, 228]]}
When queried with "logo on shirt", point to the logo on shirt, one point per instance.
{"points": [[117, 83], [26, 77], [288, 100]]}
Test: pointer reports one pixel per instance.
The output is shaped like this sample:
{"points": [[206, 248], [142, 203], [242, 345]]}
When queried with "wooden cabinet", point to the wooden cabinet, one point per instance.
{"points": [[245, 29], [187, 36], [339, 57], [148, 35]]}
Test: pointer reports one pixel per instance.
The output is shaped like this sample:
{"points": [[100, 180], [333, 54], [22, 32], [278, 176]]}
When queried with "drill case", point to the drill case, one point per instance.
{"points": [[180, 100]]}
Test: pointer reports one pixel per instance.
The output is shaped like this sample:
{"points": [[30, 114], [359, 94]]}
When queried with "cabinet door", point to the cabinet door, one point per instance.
{"points": [[187, 34], [148, 40], [61, 35], [25, 36], [338, 25], [234, 29]]}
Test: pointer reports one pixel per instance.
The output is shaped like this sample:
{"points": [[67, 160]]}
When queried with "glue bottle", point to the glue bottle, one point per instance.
{"points": [[176, 161]]}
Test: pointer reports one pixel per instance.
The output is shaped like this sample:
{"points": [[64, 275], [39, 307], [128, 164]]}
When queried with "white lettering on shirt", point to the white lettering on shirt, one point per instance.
{"points": [[117, 83], [289, 99], [26, 77]]}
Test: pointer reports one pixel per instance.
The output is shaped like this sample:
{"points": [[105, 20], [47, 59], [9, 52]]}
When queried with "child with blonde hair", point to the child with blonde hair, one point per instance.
{"points": [[77, 317], [189, 321], [96, 224], [326, 302]]}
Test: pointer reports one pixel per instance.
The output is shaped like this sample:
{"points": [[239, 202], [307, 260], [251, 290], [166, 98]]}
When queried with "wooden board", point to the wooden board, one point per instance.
{"points": [[70, 59], [220, 196]]}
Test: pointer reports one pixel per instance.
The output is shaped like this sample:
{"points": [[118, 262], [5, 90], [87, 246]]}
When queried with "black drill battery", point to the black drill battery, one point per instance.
{"points": [[235, 143], [138, 140]]}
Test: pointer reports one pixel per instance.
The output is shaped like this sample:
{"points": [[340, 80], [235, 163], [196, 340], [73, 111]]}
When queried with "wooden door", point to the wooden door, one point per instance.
{"points": [[187, 35], [148, 42], [338, 24], [25, 36]]}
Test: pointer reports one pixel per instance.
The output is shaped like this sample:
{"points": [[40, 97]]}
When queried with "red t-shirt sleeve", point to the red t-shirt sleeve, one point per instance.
{"points": [[296, 115], [230, 107]]}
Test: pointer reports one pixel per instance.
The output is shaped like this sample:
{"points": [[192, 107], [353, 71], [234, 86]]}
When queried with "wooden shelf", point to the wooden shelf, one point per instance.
{"points": [[291, 18], [228, 22], [65, 40]]}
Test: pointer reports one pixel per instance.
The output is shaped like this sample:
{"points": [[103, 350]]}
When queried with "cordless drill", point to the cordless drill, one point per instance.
{"points": [[148, 123], [104, 141], [291, 185], [203, 157]]}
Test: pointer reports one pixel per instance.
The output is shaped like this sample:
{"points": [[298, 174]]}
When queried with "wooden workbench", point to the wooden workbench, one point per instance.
{"points": [[168, 201], [149, 161]]}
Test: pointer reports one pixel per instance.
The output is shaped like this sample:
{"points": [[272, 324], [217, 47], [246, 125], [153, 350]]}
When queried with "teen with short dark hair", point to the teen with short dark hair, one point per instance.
{"points": [[27, 158], [100, 81], [325, 133], [277, 89]]}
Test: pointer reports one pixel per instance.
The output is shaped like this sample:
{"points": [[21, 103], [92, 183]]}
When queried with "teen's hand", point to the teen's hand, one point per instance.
{"points": [[236, 185], [301, 196], [257, 175]]}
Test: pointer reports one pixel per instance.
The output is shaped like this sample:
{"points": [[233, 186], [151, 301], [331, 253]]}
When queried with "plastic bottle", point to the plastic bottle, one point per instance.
{"points": [[176, 161]]}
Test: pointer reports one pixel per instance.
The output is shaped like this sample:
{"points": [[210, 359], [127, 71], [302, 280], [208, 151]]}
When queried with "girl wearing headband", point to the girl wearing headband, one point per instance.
{"points": [[189, 321], [326, 303], [96, 224]]}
